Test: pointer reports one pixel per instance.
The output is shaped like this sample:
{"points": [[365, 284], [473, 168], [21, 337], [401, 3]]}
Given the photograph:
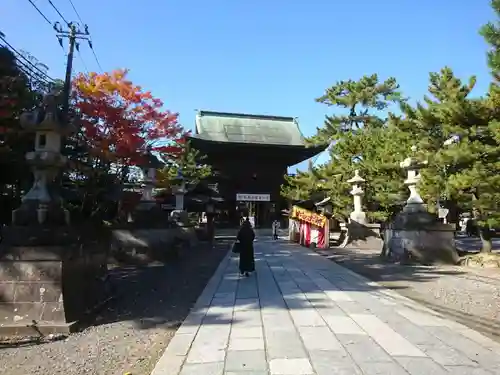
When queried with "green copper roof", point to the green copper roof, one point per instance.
{"points": [[244, 128]]}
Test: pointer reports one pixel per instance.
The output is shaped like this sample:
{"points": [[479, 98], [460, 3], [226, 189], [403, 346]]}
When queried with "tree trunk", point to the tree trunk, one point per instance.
{"points": [[485, 234], [484, 230]]}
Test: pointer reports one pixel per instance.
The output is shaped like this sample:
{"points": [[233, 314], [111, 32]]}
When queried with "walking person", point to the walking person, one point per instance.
{"points": [[276, 227], [246, 235]]}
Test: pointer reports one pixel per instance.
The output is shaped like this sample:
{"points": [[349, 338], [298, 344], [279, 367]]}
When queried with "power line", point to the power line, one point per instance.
{"points": [[91, 46], [73, 33], [81, 58], [44, 16], [32, 74], [95, 56], [25, 59], [76, 12], [41, 13], [29, 71], [58, 12]]}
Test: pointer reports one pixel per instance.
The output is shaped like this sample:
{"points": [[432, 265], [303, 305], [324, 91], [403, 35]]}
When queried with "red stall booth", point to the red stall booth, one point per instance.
{"points": [[308, 228]]}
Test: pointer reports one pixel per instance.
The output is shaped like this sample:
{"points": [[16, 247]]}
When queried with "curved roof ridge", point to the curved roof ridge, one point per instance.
{"points": [[245, 115]]}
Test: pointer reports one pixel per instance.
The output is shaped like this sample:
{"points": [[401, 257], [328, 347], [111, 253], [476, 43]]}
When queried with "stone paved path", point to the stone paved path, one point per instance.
{"points": [[303, 314]]}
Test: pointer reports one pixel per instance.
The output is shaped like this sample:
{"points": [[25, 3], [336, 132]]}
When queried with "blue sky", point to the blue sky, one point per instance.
{"points": [[264, 57]]}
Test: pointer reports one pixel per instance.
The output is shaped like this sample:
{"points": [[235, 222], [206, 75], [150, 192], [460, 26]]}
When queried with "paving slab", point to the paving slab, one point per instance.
{"points": [[302, 314]]}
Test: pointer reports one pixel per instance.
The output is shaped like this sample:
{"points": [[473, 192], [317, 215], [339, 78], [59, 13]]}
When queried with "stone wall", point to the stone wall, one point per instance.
{"points": [[50, 279], [149, 245]]}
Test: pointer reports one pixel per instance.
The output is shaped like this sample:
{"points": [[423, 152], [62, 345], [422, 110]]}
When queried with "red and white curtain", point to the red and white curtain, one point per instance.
{"points": [[306, 234]]}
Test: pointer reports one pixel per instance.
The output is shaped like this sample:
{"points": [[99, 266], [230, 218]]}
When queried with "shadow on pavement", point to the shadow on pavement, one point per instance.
{"points": [[397, 277], [290, 288], [161, 295]]}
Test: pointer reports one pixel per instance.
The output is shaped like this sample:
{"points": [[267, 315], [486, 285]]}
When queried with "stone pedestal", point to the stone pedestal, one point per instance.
{"points": [[360, 235], [50, 278], [148, 214], [420, 237], [415, 235]]}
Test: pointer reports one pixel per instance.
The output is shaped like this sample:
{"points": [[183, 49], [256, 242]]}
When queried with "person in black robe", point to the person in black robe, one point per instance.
{"points": [[246, 235]]}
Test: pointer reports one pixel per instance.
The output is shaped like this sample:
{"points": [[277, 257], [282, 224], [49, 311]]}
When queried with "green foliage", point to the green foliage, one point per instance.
{"points": [[360, 139], [361, 99], [491, 33], [300, 186], [189, 161], [441, 118], [16, 97]]}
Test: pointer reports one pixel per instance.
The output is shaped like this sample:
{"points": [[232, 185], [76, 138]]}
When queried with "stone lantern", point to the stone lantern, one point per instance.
{"points": [[179, 190], [415, 234], [149, 172], [42, 203], [358, 233], [357, 192], [413, 167], [59, 268]]}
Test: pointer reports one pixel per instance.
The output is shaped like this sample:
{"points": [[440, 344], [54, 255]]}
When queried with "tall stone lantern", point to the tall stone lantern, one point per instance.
{"points": [[42, 204], [358, 215], [415, 234], [58, 268], [359, 233], [148, 183], [179, 190], [413, 167]]}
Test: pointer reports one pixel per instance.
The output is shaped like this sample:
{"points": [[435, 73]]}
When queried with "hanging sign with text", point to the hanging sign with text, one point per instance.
{"points": [[245, 197], [310, 217]]}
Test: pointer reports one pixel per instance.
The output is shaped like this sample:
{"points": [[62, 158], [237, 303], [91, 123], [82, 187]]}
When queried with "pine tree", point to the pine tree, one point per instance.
{"points": [[301, 186], [188, 161], [360, 139], [457, 136], [491, 33], [431, 123]]}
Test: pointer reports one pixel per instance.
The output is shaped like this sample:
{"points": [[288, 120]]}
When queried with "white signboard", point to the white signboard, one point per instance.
{"points": [[253, 197]]}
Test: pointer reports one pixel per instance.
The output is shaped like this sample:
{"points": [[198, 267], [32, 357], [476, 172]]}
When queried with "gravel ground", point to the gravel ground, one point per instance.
{"points": [[469, 296], [132, 332]]}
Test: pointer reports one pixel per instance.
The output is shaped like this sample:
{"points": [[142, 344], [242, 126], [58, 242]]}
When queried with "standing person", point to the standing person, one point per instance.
{"points": [[276, 226], [470, 227], [246, 235]]}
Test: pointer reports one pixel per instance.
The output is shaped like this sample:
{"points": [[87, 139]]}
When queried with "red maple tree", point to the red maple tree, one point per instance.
{"points": [[120, 121]]}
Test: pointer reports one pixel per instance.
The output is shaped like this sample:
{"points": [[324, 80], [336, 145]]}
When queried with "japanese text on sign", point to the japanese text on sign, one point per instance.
{"points": [[308, 216], [253, 197]]}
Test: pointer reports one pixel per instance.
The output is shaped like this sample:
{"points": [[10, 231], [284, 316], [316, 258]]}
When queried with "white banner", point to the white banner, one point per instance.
{"points": [[253, 197]]}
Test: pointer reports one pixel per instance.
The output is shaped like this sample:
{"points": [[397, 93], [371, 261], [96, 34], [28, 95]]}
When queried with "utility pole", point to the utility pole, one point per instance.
{"points": [[73, 33]]}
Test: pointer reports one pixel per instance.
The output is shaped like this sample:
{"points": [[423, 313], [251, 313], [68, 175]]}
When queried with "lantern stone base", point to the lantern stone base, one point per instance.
{"points": [[419, 237], [50, 280], [31, 214], [148, 214], [361, 235]]}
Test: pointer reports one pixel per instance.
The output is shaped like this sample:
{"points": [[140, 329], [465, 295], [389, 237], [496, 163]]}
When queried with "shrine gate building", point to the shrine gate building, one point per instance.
{"points": [[249, 155]]}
